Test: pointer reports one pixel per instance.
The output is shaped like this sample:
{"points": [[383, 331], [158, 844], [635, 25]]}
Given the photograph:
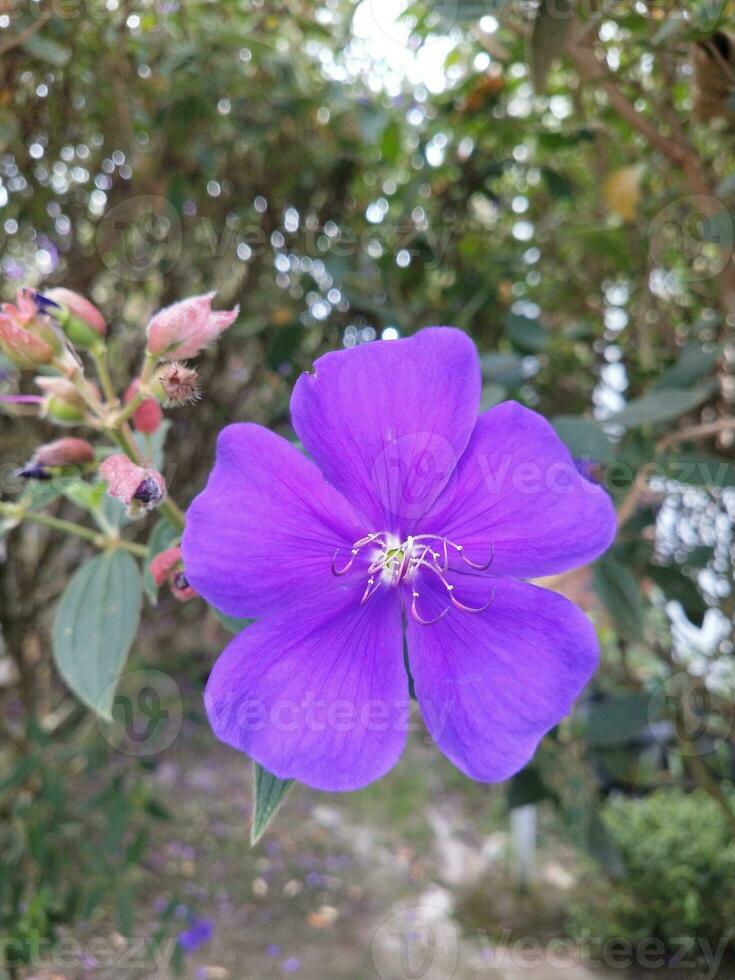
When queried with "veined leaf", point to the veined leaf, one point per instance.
{"points": [[95, 625]]}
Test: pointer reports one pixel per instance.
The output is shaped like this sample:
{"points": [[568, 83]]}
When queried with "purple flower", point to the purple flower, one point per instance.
{"points": [[411, 509], [200, 931]]}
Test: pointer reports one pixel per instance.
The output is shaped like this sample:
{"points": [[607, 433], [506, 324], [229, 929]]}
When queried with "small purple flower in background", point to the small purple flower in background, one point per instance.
{"points": [[199, 933], [411, 509]]}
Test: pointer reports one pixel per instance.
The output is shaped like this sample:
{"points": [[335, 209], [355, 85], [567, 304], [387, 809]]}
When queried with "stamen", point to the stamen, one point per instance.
{"points": [[419, 619], [477, 565], [398, 562]]}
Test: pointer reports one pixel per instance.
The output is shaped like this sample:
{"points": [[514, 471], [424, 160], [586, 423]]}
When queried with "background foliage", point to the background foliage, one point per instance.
{"points": [[344, 175]]}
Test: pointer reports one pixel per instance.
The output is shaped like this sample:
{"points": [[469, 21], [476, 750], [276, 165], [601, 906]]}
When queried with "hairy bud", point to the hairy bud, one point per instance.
{"points": [[186, 328], [179, 384], [140, 489]]}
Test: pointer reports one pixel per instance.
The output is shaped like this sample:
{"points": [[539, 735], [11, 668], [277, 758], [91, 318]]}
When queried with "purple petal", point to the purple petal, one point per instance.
{"points": [[386, 422], [491, 684], [265, 529], [519, 496], [319, 693]]}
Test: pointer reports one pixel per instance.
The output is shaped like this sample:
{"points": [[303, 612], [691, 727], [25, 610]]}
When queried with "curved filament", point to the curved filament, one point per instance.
{"points": [[419, 619]]}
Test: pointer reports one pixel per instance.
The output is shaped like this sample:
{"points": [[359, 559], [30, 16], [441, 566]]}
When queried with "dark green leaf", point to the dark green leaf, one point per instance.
{"points": [[617, 720], [695, 363], [618, 589], [528, 787], [502, 369], [699, 471], [232, 623], [268, 794], [526, 334], [559, 186], [584, 438], [46, 49], [95, 625], [677, 586], [662, 406]]}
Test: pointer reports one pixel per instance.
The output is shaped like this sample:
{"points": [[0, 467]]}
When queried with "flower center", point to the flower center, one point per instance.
{"points": [[394, 562]]}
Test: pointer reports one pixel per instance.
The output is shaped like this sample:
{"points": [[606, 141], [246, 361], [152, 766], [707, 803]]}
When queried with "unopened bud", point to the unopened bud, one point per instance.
{"points": [[28, 338], [138, 488], [21, 347], [166, 567], [179, 384], [148, 415], [63, 402], [80, 320], [183, 330], [69, 451]]}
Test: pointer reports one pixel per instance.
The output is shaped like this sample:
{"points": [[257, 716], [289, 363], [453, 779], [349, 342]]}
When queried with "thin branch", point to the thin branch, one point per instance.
{"points": [[697, 432], [14, 42]]}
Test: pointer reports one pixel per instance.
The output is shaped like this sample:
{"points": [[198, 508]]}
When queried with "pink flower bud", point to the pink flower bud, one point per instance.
{"points": [[148, 415], [27, 336], [166, 567], [74, 305], [186, 328], [138, 488], [21, 347], [64, 452], [179, 384]]}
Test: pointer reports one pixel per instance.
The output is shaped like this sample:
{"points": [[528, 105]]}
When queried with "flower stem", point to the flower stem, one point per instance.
{"points": [[68, 527], [99, 356]]}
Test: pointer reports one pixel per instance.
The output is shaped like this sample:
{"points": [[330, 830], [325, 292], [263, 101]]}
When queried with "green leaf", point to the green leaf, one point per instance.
{"points": [[525, 333], [619, 591], [548, 36], [95, 625], [232, 623], [269, 792], [502, 369], [617, 720], [87, 496], [559, 186], [528, 787], [162, 537], [662, 406], [46, 49], [584, 438], [695, 363], [699, 471], [677, 586]]}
